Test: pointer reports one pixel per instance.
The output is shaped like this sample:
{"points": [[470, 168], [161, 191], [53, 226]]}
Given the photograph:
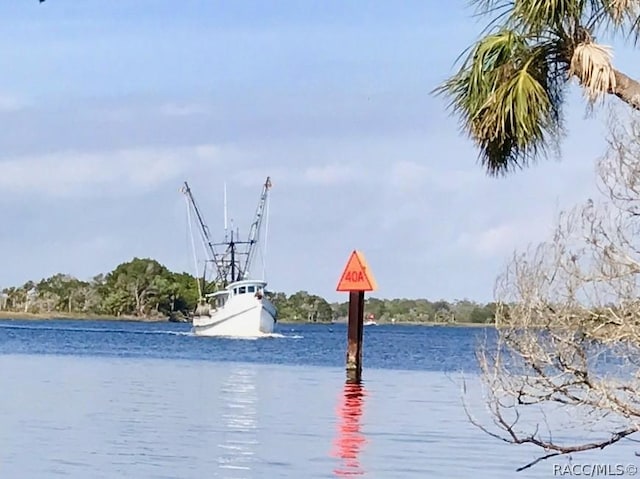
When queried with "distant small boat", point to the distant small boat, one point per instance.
{"points": [[370, 320]]}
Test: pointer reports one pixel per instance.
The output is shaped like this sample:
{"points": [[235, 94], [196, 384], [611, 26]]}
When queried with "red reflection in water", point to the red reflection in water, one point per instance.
{"points": [[349, 440]]}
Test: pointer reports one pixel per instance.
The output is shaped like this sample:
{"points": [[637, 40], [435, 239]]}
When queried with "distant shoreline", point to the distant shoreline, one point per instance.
{"points": [[77, 316], [10, 315], [424, 323]]}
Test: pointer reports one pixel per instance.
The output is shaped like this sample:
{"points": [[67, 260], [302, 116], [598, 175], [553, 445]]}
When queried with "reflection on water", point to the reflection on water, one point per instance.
{"points": [[350, 439], [239, 425]]}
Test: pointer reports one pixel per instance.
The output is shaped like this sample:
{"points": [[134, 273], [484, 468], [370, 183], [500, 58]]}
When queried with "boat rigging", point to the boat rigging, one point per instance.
{"points": [[235, 261]]}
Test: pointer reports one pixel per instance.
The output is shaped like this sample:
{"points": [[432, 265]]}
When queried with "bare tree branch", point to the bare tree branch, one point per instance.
{"points": [[568, 319]]}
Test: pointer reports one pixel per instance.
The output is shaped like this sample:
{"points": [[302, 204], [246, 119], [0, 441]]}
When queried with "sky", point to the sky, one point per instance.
{"points": [[107, 107]]}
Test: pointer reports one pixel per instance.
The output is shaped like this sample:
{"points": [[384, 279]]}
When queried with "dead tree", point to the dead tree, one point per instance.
{"points": [[568, 320]]}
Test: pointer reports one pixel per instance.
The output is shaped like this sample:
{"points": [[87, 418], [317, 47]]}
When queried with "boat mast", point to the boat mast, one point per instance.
{"points": [[225, 211], [204, 230], [232, 245], [254, 230]]}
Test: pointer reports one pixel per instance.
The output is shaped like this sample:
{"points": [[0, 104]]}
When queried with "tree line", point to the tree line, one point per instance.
{"points": [[145, 289], [141, 288]]}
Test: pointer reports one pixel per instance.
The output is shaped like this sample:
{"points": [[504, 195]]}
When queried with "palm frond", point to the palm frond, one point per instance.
{"points": [[508, 96], [485, 7], [623, 15], [536, 16], [618, 9], [591, 64], [509, 91], [499, 10], [615, 16]]}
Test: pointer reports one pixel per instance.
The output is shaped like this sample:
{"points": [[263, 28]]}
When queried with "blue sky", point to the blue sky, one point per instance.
{"points": [[107, 107]]}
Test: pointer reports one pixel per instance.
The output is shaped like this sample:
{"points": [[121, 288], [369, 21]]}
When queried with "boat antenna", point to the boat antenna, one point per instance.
{"points": [[225, 212], [266, 237]]}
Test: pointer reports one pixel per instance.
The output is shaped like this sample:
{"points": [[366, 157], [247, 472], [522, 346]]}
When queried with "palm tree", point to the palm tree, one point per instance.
{"points": [[509, 90]]}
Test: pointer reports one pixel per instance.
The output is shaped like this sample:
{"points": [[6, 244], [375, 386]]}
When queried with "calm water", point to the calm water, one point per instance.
{"points": [[133, 400]]}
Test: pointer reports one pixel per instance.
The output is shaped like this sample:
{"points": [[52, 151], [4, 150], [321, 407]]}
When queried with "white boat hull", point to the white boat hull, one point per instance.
{"points": [[241, 317]]}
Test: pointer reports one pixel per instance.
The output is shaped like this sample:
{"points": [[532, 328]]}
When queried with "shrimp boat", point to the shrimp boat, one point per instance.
{"points": [[238, 305]]}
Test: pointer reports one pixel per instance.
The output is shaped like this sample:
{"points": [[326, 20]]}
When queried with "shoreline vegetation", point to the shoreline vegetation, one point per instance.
{"points": [[145, 290]]}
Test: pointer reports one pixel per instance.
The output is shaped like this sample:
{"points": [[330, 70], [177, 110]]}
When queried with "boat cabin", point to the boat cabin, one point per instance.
{"points": [[218, 299], [247, 286], [238, 288]]}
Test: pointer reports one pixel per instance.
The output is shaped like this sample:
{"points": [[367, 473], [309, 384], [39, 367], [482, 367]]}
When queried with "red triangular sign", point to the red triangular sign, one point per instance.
{"points": [[356, 275]]}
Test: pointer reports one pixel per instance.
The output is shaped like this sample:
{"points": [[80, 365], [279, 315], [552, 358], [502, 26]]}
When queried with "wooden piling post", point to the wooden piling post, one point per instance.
{"points": [[355, 335], [356, 279]]}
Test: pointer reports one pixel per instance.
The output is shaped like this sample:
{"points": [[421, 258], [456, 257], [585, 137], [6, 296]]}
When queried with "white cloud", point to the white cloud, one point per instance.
{"points": [[182, 109], [498, 239], [79, 173], [503, 239], [411, 175], [330, 174], [10, 103], [458, 179], [408, 174], [402, 177], [251, 177]]}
